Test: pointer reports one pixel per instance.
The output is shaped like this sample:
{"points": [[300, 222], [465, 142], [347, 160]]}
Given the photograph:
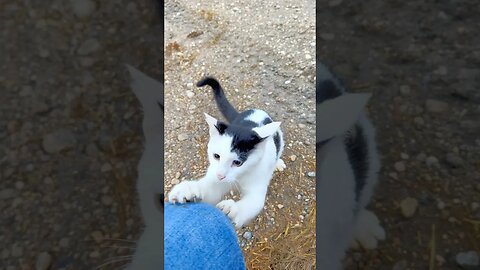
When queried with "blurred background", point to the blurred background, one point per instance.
{"points": [[420, 59]]}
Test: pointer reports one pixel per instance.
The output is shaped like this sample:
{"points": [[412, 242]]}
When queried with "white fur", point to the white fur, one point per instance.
{"points": [[338, 225], [251, 179], [150, 244]]}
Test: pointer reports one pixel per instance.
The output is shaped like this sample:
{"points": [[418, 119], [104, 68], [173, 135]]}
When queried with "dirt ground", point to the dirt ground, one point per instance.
{"points": [[263, 53], [405, 53], [70, 135]]}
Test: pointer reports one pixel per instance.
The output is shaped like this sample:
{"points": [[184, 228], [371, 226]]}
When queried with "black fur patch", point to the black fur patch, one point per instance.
{"points": [[221, 127], [327, 90], [276, 140], [356, 147], [244, 140]]}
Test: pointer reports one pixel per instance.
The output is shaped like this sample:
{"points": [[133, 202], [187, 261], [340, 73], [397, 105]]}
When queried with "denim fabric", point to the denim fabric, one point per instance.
{"points": [[199, 236]]}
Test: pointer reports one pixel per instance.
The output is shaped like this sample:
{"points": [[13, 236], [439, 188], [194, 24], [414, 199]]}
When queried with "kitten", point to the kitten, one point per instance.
{"points": [[348, 164], [149, 247], [242, 154]]}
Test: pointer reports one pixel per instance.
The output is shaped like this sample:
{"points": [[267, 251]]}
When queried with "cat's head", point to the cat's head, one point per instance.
{"points": [[234, 149]]}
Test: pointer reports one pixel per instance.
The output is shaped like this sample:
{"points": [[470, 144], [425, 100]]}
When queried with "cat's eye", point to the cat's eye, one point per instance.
{"points": [[237, 163], [216, 156]]}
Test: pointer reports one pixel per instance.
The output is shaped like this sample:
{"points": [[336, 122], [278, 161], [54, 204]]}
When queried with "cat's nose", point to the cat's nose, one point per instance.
{"points": [[220, 177]]}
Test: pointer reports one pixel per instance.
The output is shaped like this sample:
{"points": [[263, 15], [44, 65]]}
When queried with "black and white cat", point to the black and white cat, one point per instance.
{"points": [[242, 154], [347, 165]]}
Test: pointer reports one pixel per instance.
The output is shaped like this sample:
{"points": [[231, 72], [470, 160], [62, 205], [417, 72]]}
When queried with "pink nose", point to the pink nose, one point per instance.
{"points": [[220, 177]]}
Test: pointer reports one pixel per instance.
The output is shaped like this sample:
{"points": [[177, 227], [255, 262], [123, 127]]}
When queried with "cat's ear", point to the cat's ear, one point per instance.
{"points": [[336, 116], [215, 127], [267, 130]]}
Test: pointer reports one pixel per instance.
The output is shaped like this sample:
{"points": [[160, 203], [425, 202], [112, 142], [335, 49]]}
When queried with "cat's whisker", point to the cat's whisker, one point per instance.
{"points": [[113, 260]]}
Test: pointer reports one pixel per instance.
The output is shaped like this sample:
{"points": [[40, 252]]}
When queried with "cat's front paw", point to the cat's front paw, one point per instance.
{"points": [[367, 231], [184, 191], [231, 209], [280, 166]]}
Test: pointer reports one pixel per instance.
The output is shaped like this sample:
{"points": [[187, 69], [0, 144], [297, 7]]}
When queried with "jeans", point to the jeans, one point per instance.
{"points": [[199, 236]]}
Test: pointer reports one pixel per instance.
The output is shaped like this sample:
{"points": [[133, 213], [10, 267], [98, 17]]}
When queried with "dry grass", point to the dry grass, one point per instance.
{"points": [[288, 247]]}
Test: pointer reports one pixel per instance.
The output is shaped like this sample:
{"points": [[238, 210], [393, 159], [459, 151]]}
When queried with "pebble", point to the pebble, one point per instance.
{"points": [[280, 206], [399, 166], [190, 94], [441, 205], [311, 174], [106, 167], [404, 156], [97, 236], [19, 185], [308, 56], [83, 8], [17, 251], [409, 207], [293, 157], [94, 254], [401, 265], [89, 46], [64, 242], [7, 193], [431, 160], [58, 140], [454, 160], [182, 137], [247, 235], [435, 106], [475, 206], [44, 261], [405, 90], [107, 200], [468, 258], [442, 70], [177, 175]]}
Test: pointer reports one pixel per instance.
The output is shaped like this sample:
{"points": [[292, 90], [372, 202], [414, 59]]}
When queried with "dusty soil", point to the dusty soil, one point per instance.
{"points": [[263, 53], [406, 52]]}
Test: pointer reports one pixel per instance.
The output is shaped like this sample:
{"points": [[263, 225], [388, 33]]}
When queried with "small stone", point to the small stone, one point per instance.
{"points": [[280, 206], [442, 70], [421, 157], [107, 200], [190, 94], [419, 121], [311, 174], [302, 126], [288, 82], [431, 161], [89, 46], [182, 137], [408, 207], [404, 156], [64, 242], [94, 254], [247, 235], [441, 205], [308, 56], [399, 166], [19, 185], [97, 236], [475, 206], [468, 258], [190, 85], [405, 90], [436, 106], [293, 158], [177, 175], [106, 167], [440, 260], [7, 193], [44, 260], [83, 8], [401, 265], [58, 140], [393, 175], [454, 160]]}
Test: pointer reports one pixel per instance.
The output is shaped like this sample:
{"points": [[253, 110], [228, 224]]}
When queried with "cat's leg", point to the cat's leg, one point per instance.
{"points": [[367, 231], [244, 210], [206, 189]]}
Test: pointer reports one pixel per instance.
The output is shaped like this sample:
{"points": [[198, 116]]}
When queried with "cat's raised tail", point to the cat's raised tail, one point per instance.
{"points": [[223, 104]]}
